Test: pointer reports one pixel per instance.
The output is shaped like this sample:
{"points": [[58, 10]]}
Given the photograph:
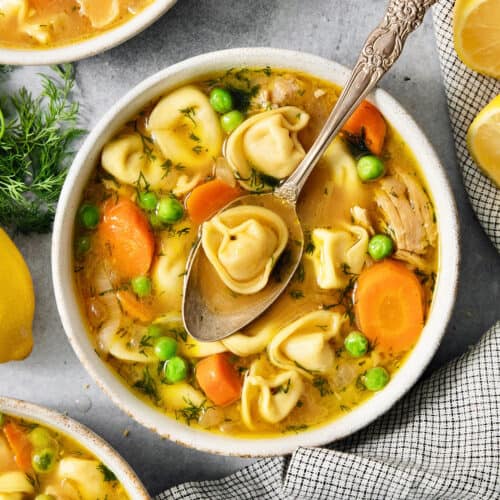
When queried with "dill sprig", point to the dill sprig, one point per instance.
{"points": [[35, 150]]}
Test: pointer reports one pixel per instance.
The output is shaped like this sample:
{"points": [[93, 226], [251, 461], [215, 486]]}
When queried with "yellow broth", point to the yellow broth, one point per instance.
{"points": [[72, 473], [323, 204], [40, 24]]}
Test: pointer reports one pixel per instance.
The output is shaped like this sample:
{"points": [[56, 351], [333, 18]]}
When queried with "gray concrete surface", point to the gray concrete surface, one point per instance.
{"points": [[334, 29]]}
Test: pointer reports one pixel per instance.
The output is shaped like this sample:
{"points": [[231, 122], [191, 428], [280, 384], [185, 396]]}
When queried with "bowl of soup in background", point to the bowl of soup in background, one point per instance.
{"points": [[93, 42], [62, 254], [82, 436]]}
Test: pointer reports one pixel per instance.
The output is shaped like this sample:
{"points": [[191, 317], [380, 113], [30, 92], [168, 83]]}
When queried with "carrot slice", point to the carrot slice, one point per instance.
{"points": [[219, 379], [389, 305], [126, 234], [135, 307], [207, 199], [367, 122], [20, 445]]}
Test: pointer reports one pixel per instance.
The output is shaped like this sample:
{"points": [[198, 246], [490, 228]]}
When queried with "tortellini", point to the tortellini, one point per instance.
{"points": [[304, 344], [347, 185], [246, 344], [271, 398], [125, 159], [15, 482], [337, 254], [187, 131], [85, 474], [267, 143], [169, 268], [243, 244]]}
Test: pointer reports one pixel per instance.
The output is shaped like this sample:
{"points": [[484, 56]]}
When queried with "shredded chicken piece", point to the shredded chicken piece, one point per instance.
{"points": [[360, 217], [319, 93], [408, 215], [284, 88]]}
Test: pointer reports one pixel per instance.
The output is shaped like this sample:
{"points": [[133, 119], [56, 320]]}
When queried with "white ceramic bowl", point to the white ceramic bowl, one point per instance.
{"points": [[62, 246], [89, 46], [82, 435]]}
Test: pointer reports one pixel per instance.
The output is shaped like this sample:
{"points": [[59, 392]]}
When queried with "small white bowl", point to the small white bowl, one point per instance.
{"points": [[81, 434], [88, 46], [62, 245]]}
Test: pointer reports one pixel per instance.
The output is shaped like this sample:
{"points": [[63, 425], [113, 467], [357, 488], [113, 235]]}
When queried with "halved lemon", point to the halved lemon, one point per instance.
{"points": [[476, 33], [483, 139]]}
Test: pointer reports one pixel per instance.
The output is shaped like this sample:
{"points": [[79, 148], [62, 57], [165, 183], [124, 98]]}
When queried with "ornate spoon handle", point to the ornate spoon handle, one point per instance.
{"points": [[381, 49]]}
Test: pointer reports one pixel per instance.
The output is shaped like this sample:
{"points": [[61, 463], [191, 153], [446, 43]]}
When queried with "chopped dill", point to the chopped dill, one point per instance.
{"points": [[107, 474], [191, 412], [296, 294], [189, 113], [147, 385], [295, 428], [322, 385]]}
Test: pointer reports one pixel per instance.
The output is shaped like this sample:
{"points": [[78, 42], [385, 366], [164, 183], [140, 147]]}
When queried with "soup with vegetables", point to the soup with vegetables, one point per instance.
{"points": [[39, 463], [355, 306], [26, 24]]}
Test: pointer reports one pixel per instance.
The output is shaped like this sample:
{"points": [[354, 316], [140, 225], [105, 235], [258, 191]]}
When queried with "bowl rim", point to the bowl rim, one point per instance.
{"points": [[83, 435], [379, 403], [89, 46]]}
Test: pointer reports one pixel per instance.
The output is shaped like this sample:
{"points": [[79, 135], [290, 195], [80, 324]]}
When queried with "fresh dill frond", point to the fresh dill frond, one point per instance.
{"points": [[147, 385], [35, 151], [191, 412]]}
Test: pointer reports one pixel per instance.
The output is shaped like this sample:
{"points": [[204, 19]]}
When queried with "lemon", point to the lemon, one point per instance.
{"points": [[476, 33], [17, 303], [483, 140]]}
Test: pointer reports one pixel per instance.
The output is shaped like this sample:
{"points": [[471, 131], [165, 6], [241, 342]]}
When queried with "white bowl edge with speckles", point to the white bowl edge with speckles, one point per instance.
{"points": [[88, 46], [82, 435], [62, 246]]}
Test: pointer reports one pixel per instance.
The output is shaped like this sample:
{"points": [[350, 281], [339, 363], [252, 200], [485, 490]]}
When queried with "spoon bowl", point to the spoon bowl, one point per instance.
{"points": [[210, 310]]}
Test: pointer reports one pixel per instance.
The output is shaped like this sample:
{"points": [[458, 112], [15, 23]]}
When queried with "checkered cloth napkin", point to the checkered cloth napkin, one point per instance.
{"points": [[442, 441], [467, 92]]}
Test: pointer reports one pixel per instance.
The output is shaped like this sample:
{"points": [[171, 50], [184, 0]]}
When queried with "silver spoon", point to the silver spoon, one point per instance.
{"points": [[210, 311]]}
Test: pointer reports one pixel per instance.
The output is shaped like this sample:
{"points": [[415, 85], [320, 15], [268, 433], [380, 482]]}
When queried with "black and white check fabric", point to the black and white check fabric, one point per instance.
{"points": [[442, 441], [467, 92]]}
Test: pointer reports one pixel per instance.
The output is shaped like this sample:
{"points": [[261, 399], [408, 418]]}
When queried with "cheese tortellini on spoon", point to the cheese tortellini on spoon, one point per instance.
{"points": [[304, 344], [267, 143], [337, 254], [243, 244], [270, 398]]}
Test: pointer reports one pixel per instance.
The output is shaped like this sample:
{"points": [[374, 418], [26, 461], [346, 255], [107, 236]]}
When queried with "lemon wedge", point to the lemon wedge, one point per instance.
{"points": [[483, 140], [476, 33], [17, 303]]}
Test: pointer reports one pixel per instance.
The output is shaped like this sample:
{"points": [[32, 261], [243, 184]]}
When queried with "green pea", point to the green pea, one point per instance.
{"points": [[375, 378], [356, 344], [141, 286], [45, 497], [155, 331], [88, 215], [221, 100], [165, 348], [43, 460], [231, 120], [380, 246], [147, 200], [169, 210], [82, 245], [41, 438], [370, 168], [176, 369]]}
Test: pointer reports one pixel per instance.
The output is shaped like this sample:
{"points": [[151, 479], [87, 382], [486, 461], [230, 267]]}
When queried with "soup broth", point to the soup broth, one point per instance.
{"points": [[352, 312], [37, 460], [28, 24]]}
